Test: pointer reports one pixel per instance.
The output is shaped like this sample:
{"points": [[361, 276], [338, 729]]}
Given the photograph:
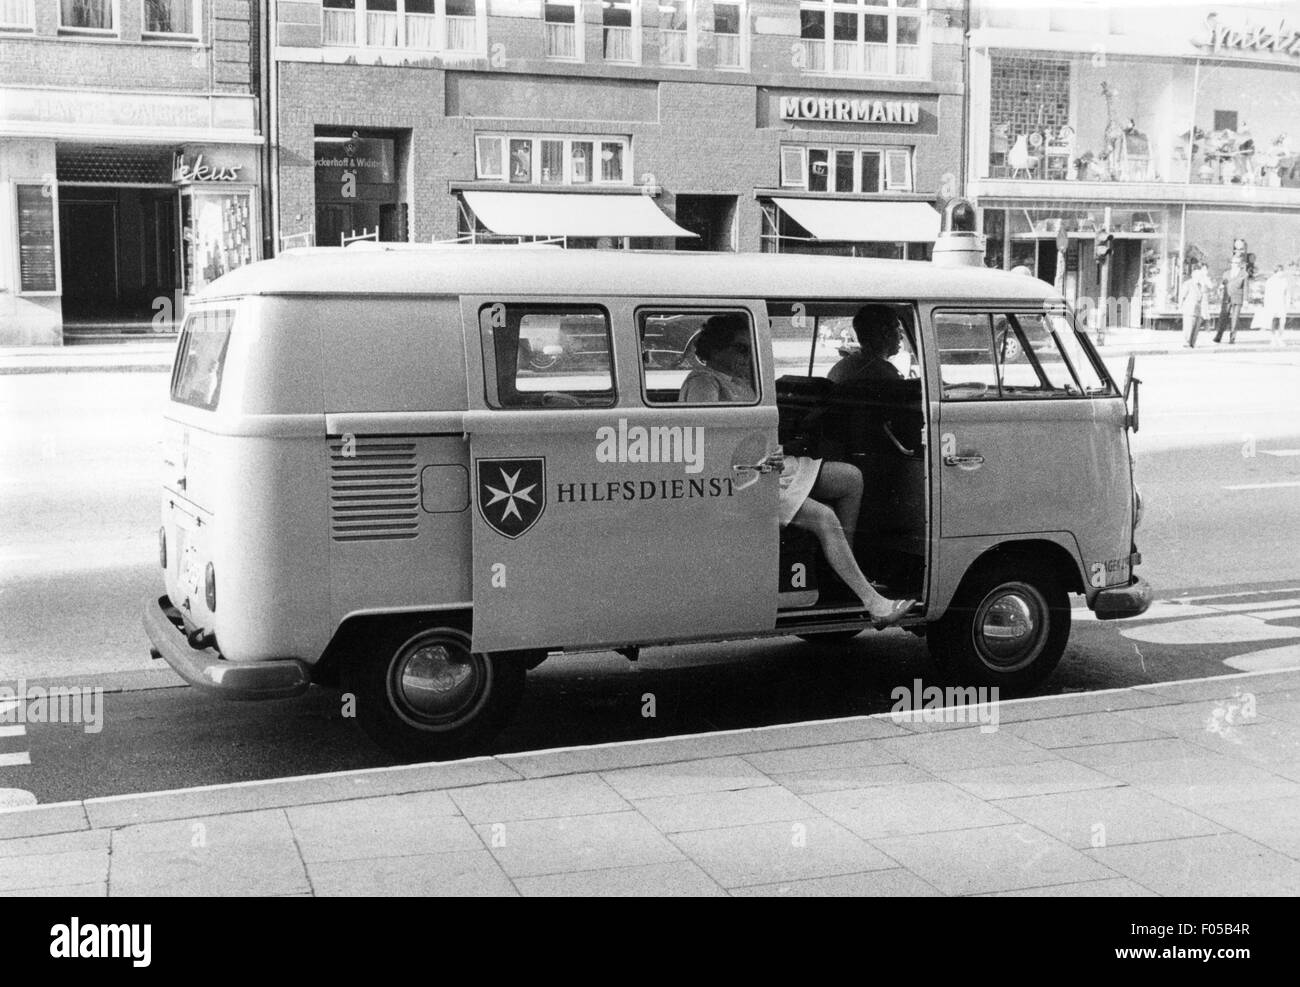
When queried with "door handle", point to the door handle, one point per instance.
{"points": [[766, 466], [965, 462]]}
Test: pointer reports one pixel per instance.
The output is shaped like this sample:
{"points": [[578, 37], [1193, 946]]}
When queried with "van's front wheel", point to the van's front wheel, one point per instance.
{"points": [[1007, 626], [430, 696]]}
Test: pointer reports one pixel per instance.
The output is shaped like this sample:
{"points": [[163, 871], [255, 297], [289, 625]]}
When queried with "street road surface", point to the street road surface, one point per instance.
{"points": [[1218, 460]]}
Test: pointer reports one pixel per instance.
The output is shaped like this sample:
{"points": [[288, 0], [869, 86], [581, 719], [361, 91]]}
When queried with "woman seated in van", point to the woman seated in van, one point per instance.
{"points": [[881, 336], [821, 497]]}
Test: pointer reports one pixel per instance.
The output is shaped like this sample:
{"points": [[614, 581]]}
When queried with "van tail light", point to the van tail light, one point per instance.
{"points": [[210, 588], [162, 547], [1137, 506]]}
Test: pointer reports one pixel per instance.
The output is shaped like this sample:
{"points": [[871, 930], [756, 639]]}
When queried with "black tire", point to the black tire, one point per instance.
{"points": [[1024, 601], [426, 695], [829, 637]]}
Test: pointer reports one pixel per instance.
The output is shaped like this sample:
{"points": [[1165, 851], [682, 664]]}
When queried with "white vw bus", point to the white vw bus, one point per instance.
{"points": [[373, 478]]}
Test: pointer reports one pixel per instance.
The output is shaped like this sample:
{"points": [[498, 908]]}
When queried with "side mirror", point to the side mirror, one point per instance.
{"points": [[1132, 384]]}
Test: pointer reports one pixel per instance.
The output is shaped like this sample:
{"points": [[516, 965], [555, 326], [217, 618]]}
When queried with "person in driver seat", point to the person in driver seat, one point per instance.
{"points": [[881, 336]]}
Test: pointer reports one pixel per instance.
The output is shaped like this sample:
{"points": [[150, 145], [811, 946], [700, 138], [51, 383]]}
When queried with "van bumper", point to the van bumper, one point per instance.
{"points": [[205, 669], [1123, 601]]}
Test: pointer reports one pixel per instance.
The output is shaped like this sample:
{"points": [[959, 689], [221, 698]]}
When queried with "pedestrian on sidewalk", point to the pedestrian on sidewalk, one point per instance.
{"points": [[1192, 303], [1277, 300], [1234, 296]]}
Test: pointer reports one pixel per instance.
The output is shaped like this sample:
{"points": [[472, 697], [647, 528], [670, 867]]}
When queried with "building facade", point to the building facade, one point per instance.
{"points": [[1167, 131], [784, 125], [131, 159]]}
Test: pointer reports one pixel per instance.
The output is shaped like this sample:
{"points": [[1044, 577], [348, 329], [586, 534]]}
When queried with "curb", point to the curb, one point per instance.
{"points": [[117, 811]]}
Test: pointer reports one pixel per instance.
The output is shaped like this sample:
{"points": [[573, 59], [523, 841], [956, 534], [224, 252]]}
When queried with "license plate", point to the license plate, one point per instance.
{"points": [[191, 570]]}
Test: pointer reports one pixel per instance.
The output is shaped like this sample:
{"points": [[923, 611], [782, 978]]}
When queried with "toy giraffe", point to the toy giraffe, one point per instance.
{"points": [[1114, 134]]}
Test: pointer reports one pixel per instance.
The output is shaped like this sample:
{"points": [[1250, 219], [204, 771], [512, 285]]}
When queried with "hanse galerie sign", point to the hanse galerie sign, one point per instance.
{"points": [[1278, 38], [831, 110]]}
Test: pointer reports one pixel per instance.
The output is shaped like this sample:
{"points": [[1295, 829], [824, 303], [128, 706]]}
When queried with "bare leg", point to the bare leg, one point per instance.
{"points": [[839, 485], [816, 517]]}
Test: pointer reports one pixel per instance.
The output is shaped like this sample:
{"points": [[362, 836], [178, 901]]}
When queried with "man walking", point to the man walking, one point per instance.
{"points": [[1234, 295]]}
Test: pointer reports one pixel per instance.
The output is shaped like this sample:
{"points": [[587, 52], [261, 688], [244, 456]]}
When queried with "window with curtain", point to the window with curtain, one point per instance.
{"points": [[170, 17], [87, 15]]}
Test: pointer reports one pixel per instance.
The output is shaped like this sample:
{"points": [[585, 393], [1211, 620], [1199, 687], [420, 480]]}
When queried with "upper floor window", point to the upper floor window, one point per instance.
{"points": [[677, 32], [545, 160], [730, 35], [563, 29], [427, 25], [863, 37], [621, 31], [172, 17], [18, 15], [98, 16], [846, 169]]}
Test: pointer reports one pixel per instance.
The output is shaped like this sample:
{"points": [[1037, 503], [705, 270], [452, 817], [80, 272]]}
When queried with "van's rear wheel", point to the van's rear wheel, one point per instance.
{"points": [[1007, 626], [430, 696]]}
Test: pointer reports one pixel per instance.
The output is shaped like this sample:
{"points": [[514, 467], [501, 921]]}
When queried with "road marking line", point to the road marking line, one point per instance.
{"points": [[1238, 595], [1263, 486], [1270, 605], [15, 798], [13, 731], [1280, 452], [15, 760], [1275, 614]]}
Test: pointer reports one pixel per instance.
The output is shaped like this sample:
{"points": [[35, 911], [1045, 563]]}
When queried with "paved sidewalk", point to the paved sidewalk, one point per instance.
{"points": [[137, 355], [1174, 789]]}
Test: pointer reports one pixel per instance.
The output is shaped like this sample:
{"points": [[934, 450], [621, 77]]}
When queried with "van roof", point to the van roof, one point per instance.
{"points": [[487, 270]]}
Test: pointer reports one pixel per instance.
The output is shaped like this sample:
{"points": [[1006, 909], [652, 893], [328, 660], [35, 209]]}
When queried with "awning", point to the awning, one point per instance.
{"points": [[570, 214], [864, 222]]}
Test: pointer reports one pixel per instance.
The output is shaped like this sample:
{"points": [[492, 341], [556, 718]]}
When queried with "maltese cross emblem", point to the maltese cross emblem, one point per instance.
{"points": [[511, 493]]}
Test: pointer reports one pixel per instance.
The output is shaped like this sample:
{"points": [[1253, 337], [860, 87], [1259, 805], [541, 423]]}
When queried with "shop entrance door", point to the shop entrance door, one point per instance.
{"points": [[88, 247]]}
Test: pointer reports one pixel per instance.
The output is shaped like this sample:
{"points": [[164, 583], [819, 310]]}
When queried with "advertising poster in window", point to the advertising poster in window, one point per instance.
{"points": [[37, 268]]}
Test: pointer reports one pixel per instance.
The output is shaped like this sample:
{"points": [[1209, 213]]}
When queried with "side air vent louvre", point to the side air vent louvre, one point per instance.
{"points": [[374, 489]]}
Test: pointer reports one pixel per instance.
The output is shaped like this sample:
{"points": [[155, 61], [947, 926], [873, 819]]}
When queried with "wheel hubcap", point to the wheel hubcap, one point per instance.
{"points": [[437, 682], [1010, 626]]}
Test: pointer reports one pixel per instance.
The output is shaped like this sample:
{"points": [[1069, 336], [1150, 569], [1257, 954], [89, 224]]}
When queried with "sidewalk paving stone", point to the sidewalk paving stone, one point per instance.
{"points": [[1270, 744], [715, 810], [769, 853], [1112, 815], [248, 853], [799, 759], [641, 753], [84, 841], [1087, 728], [851, 776], [1039, 778], [1192, 719], [969, 748], [39, 820], [532, 847], [1100, 756], [682, 879], [1113, 887], [54, 870], [897, 810], [720, 774], [456, 873], [392, 826], [995, 858], [897, 883], [1272, 822], [829, 732], [98, 890], [538, 798], [1220, 866], [1205, 780]]}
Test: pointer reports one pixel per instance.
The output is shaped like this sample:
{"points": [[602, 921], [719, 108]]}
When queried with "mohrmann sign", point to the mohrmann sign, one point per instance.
{"points": [[1278, 38], [835, 110]]}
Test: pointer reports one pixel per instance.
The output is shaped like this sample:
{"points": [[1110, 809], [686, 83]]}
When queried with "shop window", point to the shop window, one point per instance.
{"points": [[677, 32], [551, 160], [169, 18], [670, 342], [563, 25], [547, 356], [17, 15], [729, 35], [863, 37], [621, 37], [99, 16]]}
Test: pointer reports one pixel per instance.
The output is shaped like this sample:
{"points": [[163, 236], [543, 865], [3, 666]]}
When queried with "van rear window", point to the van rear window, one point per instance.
{"points": [[200, 358]]}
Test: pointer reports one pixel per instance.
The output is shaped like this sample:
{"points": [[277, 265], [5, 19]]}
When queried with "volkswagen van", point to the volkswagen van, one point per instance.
{"points": [[371, 482]]}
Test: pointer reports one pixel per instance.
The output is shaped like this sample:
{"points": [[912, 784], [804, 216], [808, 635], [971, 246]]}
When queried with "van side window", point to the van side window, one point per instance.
{"points": [[1012, 355], [547, 356], [201, 358], [722, 371]]}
